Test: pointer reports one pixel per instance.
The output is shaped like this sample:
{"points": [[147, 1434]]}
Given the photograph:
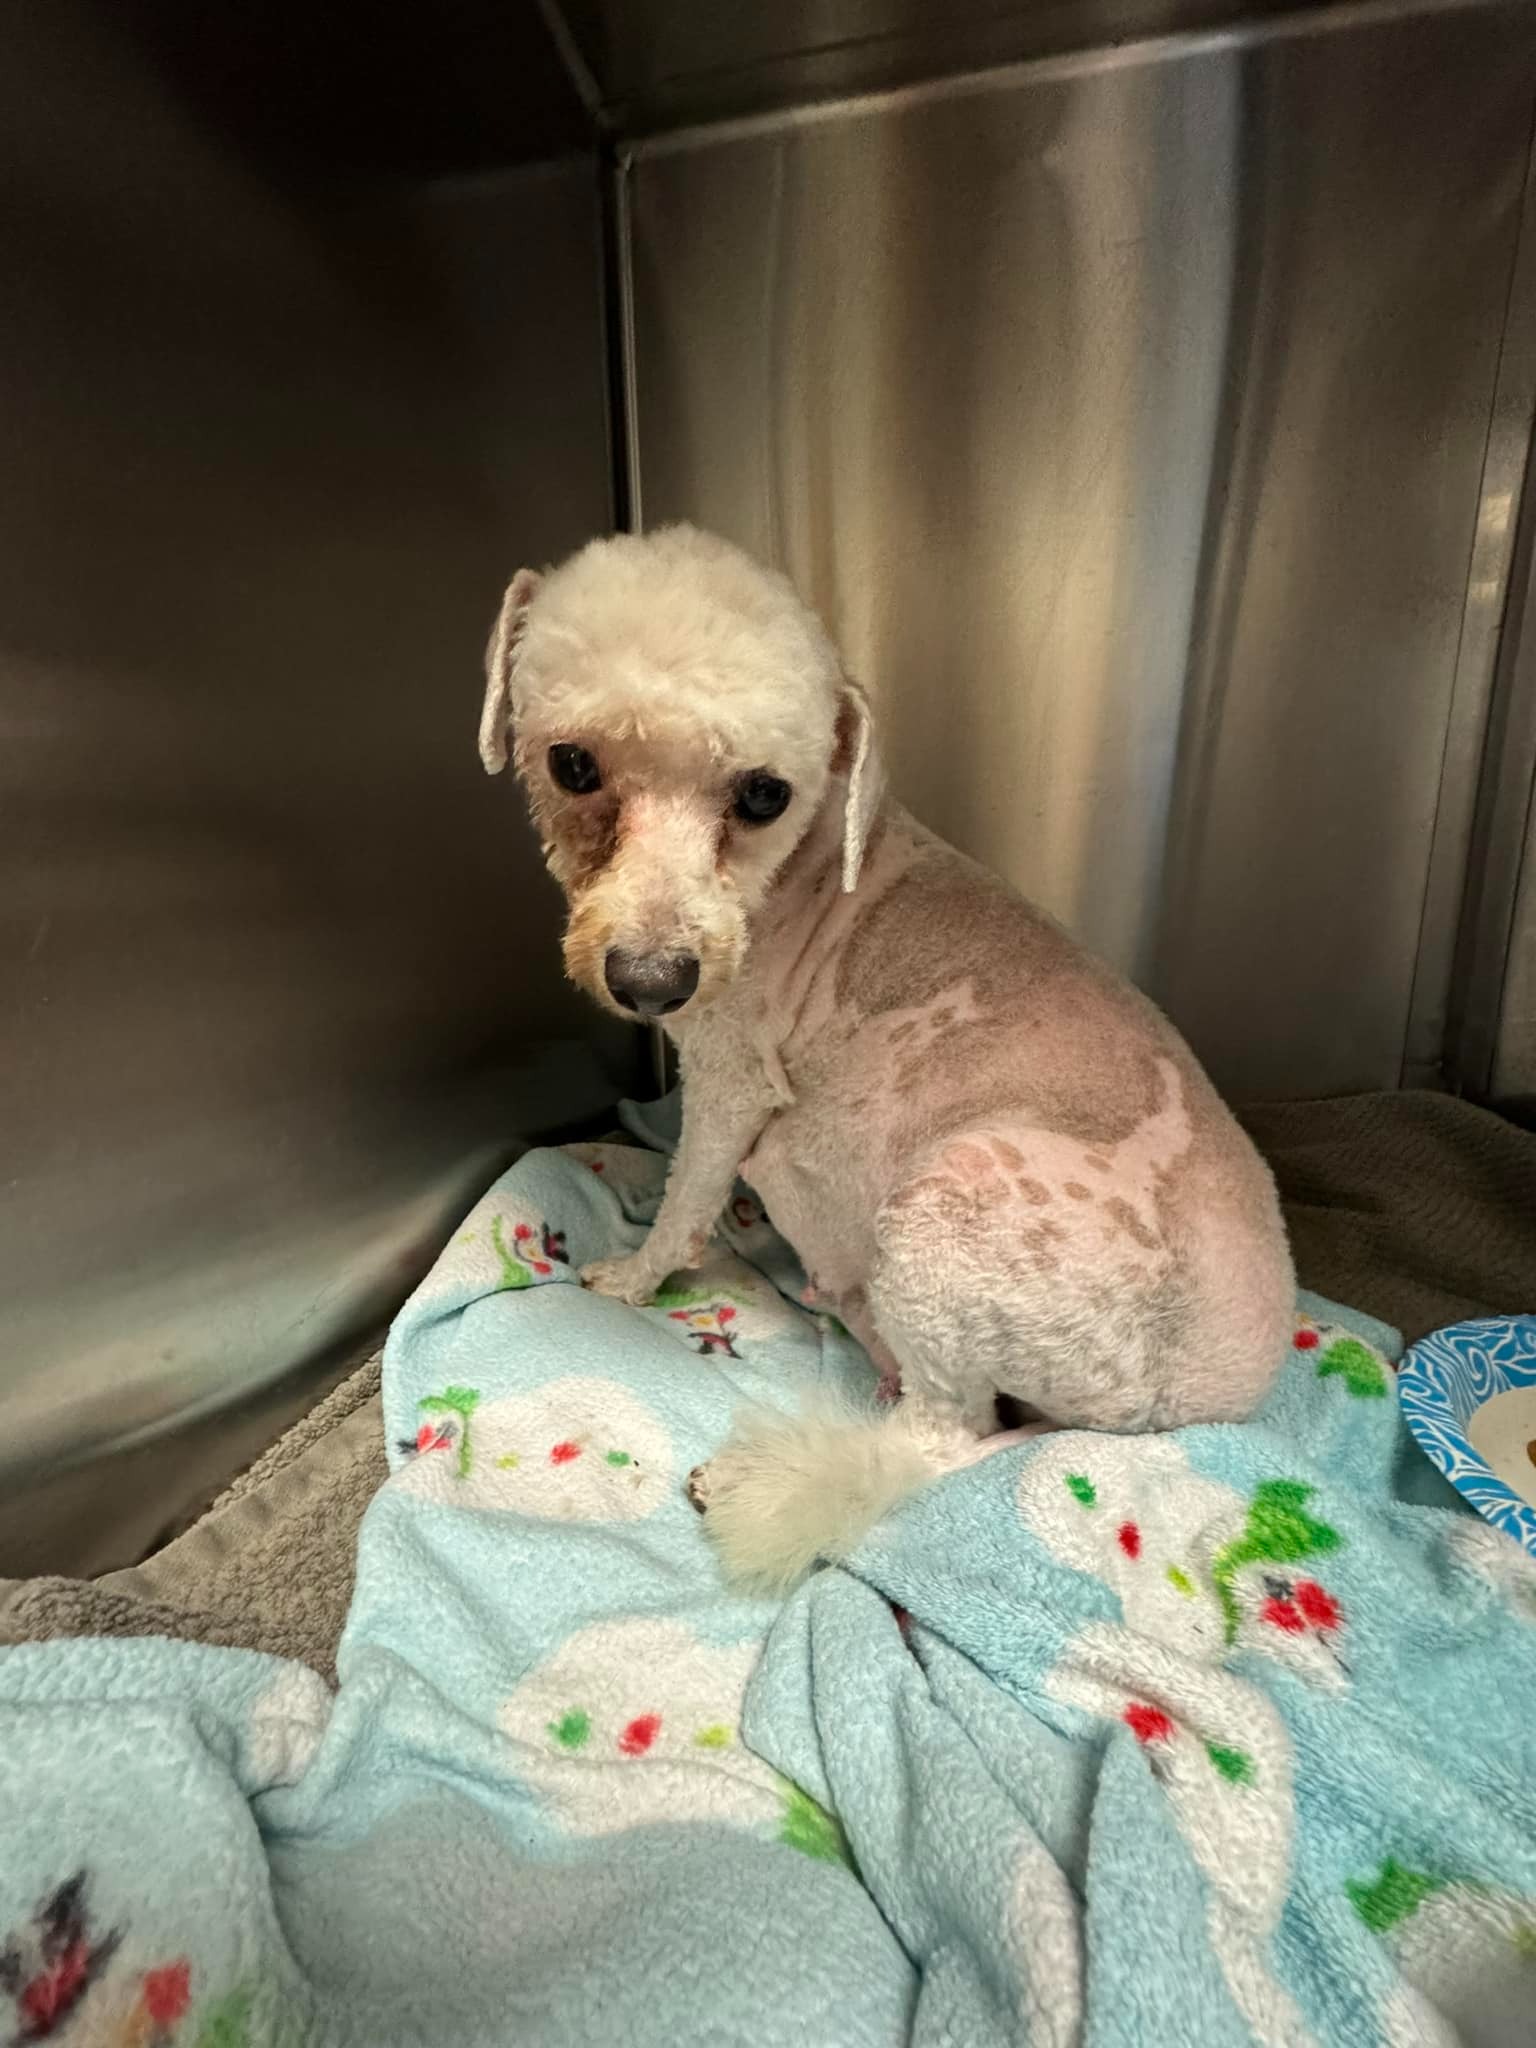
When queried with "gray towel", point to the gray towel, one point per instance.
{"points": [[268, 1567], [1416, 1207]]}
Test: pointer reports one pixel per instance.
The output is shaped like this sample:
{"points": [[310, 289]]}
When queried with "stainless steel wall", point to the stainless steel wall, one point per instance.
{"points": [[1514, 1077], [655, 64], [1130, 417], [1494, 986], [278, 968]]}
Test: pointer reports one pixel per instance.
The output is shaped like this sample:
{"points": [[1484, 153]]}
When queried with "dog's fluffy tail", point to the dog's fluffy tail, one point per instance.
{"points": [[788, 1490]]}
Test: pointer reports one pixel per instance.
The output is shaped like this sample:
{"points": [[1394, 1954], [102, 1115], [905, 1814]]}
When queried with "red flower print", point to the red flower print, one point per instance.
{"points": [[1305, 1340], [1147, 1724], [54, 1990], [1128, 1536], [531, 1253], [1294, 1606], [50, 1965], [709, 1327], [1318, 1605], [640, 1734], [562, 1454], [168, 1992], [1283, 1614]]}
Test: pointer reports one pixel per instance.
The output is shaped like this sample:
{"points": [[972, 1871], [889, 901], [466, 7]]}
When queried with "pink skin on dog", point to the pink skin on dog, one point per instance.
{"points": [[1004, 1168]]}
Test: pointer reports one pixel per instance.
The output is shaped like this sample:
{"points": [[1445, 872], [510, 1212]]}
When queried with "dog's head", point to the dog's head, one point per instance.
{"points": [[680, 722]]}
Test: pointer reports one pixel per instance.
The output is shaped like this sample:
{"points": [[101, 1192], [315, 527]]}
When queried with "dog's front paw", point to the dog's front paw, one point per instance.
{"points": [[626, 1279]]}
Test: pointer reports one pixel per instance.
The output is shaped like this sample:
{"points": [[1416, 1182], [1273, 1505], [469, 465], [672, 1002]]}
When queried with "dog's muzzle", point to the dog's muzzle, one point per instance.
{"points": [[651, 987]]}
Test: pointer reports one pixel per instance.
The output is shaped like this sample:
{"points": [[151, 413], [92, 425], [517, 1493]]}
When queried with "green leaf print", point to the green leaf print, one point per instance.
{"points": [[670, 1296], [1278, 1532], [809, 1827], [573, 1728], [1235, 1765], [513, 1272], [227, 2024], [460, 1401], [1396, 1893], [1357, 1365]]}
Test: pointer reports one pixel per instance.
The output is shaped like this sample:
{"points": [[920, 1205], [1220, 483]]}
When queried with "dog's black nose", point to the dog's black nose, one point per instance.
{"points": [[653, 987]]}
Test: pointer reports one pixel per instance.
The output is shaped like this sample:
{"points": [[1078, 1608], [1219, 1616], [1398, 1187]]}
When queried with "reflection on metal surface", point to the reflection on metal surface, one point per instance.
{"points": [[1514, 1073], [658, 64], [1493, 1008], [279, 973], [1128, 423], [1441, 1044]]}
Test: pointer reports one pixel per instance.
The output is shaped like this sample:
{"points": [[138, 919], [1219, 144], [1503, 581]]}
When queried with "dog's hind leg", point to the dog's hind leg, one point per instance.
{"points": [[788, 1490]]}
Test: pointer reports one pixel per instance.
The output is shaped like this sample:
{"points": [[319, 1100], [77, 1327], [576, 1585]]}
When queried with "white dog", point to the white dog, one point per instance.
{"points": [[1001, 1166]]}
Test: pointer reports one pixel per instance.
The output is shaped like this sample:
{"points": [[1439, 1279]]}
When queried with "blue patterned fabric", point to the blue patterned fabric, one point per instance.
{"points": [[1219, 1737]]}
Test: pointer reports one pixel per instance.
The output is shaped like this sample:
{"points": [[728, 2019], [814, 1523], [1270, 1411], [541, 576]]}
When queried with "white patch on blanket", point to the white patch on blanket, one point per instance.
{"points": [[638, 1721], [1132, 1513], [1146, 1532], [1471, 1951], [1043, 1929], [1408, 2020], [578, 1450], [1476, 1546], [635, 1178], [724, 1299], [286, 1726]]}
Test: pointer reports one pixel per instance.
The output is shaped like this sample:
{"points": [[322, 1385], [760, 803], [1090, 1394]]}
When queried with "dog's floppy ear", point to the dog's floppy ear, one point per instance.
{"points": [[858, 758], [496, 711]]}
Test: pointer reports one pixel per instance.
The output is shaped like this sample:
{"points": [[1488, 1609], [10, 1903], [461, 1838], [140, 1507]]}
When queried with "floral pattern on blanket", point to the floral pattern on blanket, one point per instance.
{"points": [[575, 1449], [638, 1721], [57, 1971]]}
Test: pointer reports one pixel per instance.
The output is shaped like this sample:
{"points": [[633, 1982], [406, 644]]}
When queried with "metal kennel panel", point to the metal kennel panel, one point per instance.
{"points": [[279, 969], [1136, 419]]}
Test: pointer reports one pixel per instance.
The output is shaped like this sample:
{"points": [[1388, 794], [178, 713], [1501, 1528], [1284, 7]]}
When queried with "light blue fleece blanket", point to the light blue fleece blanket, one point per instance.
{"points": [[1222, 1737]]}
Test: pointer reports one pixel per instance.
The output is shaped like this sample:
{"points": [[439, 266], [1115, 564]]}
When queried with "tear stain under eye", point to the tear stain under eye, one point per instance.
{"points": [[587, 835]]}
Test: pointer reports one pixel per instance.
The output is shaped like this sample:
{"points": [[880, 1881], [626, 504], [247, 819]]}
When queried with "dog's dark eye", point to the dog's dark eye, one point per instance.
{"points": [[575, 769], [761, 797]]}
